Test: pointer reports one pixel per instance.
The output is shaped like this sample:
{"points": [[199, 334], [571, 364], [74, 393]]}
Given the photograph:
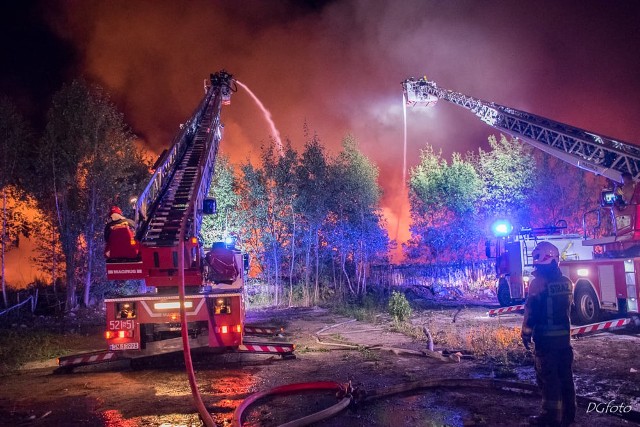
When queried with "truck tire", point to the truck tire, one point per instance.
{"points": [[587, 307], [504, 294]]}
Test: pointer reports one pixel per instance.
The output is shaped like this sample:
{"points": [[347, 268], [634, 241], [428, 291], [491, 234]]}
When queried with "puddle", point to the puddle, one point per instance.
{"points": [[422, 410], [607, 390]]}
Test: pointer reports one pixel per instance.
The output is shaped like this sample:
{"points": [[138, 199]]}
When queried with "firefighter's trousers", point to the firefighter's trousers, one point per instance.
{"points": [[555, 378]]}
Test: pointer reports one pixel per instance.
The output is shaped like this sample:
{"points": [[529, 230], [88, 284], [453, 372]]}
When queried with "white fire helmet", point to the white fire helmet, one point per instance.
{"points": [[545, 253]]}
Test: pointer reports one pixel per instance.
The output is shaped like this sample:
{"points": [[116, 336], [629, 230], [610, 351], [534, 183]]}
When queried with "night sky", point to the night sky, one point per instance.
{"points": [[336, 65]]}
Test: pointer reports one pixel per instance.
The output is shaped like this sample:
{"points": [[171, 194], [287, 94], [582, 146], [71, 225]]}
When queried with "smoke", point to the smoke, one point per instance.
{"points": [[339, 64]]}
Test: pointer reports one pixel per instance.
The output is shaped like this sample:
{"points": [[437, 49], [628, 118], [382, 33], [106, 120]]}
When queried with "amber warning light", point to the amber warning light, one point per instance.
{"points": [[118, 334]]}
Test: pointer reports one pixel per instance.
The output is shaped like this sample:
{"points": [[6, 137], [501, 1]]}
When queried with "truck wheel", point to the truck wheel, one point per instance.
{"points": [[587, 308], [504, 294]]}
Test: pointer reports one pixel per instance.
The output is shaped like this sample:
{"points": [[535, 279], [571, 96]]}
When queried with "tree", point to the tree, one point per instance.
{"points": [[226, 221], [254, 207], [312, 202], [444, 205], [508, 173], [279, 173], [357, 228], [88, 162], [15, 137]]}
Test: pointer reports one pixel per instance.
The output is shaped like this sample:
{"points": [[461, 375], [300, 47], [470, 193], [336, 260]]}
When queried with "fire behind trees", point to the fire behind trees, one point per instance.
{"points": [[311, 220]]}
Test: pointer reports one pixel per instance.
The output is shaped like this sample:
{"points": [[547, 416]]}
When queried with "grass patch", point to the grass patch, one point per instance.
{"points": [[307, 349], [407, 329], [356, 311], [365, 311], [369, 354], [490, 341], [19, 346]]}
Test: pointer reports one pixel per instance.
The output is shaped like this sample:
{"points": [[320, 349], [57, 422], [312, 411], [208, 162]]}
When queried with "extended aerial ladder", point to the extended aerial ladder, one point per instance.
{"points": [[587, 150], [606, 277], [184, 290], [170, 209]]}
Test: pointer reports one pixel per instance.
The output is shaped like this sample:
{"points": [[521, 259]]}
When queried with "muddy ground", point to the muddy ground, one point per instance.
{"points": [[157, 393]]}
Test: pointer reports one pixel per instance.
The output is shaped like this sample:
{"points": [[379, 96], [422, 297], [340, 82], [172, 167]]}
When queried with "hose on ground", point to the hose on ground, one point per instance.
{"points": [[360, 396], [297, 388]]}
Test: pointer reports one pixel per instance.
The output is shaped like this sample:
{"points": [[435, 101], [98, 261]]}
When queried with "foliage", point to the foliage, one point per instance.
{"points": [[365, 310], [355, 227], [508, 174], [87, 162], [16, 137], [453, 204], [444, 203], [311, 221], [399, 307], [227, 221]]}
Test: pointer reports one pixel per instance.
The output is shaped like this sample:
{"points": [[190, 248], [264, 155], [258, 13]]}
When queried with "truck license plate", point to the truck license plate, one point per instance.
{"points": [[124, 346]]}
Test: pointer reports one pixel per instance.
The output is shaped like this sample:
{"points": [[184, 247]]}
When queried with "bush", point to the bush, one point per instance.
{"points": [[399, 307]]}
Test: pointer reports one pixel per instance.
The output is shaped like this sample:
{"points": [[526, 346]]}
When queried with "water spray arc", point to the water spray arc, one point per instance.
{"points": [[267, 116], [404, 161]]}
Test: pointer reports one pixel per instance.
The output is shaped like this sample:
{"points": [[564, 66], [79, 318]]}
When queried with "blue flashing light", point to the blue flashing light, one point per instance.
{"points": [[229, 241], [502, 228]]}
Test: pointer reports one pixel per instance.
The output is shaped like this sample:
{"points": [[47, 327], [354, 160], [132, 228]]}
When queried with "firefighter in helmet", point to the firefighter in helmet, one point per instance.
{"points": [[546, 320], [119, 235]]}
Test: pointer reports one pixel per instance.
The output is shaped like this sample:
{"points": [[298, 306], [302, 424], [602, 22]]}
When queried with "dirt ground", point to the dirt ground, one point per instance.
{"points": [[157, 392]]}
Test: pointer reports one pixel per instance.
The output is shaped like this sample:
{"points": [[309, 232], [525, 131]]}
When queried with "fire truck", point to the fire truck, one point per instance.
{"points": [[604, 263], [165, 251]]}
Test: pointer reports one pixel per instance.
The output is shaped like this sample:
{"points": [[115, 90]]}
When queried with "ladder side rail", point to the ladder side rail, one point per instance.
{"points": [[161, 177], [219, 91]]}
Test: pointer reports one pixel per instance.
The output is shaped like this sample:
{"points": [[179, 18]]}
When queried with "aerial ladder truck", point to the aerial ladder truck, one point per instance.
{"points": [[165, 252], [605, 267]]}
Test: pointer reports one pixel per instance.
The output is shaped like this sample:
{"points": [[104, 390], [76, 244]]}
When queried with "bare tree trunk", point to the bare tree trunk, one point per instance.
{"points": [[71, 301], [346, 275], [316, 294], [90, 246], [293, 256], [307, 267], [365, 263], [2, 244], [54, 262], [34, 300], [275, 271]]}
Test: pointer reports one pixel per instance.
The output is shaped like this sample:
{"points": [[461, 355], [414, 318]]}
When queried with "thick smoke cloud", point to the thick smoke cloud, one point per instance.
{"points": [[338, 66]]}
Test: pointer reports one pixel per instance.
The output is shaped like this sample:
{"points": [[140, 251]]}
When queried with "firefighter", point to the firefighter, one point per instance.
{"points": [[626, 193], [546, 320], [118, 235]]}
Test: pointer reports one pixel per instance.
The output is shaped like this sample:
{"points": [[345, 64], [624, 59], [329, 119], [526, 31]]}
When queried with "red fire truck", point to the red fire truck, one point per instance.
{"points": [[604, 263], [166, 253]]}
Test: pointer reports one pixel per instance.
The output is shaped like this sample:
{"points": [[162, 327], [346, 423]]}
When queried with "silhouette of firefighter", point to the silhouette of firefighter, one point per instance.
{"points": [[119, 236]]}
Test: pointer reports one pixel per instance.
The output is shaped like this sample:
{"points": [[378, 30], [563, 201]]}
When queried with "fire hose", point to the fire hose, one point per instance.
{"points": [[202, 409], [347, 395]]}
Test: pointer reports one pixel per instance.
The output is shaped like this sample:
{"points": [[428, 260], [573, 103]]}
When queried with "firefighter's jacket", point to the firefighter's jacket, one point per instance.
{"points": [[547, 313], [119, 239]]}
